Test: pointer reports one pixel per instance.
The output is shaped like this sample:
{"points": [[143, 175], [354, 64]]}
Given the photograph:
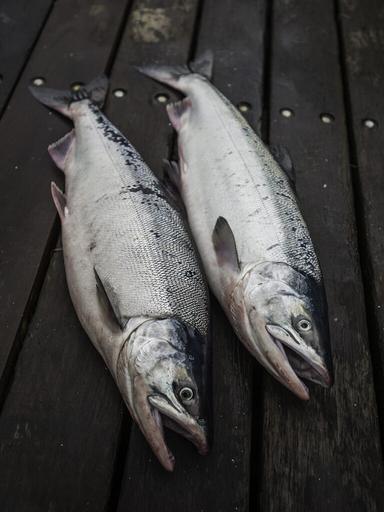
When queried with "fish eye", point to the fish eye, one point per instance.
{"points": [[304, 325], [186, 394]]}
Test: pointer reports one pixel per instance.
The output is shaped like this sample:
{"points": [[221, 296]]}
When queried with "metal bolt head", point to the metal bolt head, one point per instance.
{"points": [[119, 93], [287, 112], [162, 97], [38, 81], [77, 86], [369, 123], [327, 118], [244, 106]]}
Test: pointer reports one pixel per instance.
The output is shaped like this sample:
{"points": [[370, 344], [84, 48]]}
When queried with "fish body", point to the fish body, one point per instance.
{"points": [[255, 246], [132, 272]]}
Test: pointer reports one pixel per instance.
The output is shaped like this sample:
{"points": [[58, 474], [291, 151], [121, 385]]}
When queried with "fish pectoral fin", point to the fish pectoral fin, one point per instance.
{"points": [[172, 171], [59, 150], [60, 201], [225, 245], [178, 112], [283, 158], [107, 303]]}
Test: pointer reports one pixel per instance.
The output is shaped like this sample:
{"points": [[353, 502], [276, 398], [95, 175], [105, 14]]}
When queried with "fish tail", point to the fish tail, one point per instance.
{"points": [[170, 75], [61, 100]]}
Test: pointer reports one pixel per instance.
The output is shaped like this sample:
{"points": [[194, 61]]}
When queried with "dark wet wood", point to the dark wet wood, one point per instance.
{"points": [[20, 25], [322, 455], [362, 25], [219, 481], [75, 46], [62, 418], [60, 424], [65, 437]]}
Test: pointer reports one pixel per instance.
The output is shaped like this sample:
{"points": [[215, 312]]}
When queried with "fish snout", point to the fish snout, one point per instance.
{"points": [[303, 359], [178, 419]]}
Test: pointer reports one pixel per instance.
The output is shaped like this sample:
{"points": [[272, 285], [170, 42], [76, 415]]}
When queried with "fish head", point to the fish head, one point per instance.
{"points": [[165, 373], [286, 325]]}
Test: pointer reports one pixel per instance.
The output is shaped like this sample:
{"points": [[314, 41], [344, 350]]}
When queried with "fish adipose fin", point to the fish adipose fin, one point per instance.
{"points": [[60, 201], [60, 100], [59, 150], [283, 158], [225, 245], [170, 75]]}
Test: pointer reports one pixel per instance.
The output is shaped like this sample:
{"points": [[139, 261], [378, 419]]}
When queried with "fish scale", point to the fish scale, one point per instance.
{"points": [[140, 246], [132, 272], [253, 241], [264, 215]]}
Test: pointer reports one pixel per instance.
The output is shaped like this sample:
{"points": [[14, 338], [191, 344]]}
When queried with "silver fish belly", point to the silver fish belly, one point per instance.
{"points": [[255, 246], [133, 274]]}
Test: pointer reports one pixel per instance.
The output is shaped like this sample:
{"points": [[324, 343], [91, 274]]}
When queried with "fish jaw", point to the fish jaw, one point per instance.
{"points": [[150, 423], [159, 360], [264, 305], [276, 362], [262, 346], [182, 422], [286, 336]]}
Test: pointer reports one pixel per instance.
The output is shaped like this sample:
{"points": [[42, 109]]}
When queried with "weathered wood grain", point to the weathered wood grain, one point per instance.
{"points": [[20, 25], [363, 43], [219, 481], [322, 455], [75, 46], [60, 424]]}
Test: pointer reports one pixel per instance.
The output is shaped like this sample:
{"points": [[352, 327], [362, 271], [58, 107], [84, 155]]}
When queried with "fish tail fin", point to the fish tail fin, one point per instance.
{"points": [[60, 100], [170, 75]]}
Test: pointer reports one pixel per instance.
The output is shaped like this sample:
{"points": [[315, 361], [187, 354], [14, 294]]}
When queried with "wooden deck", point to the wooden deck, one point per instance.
{"points": [[313, 76]]}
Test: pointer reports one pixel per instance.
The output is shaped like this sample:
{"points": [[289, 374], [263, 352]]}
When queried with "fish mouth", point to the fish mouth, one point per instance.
{"points": [[302, 359], [165, 413]]}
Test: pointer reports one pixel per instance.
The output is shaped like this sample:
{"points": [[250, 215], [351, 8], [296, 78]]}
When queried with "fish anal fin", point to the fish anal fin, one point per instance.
{"points": [[59, 150], [60, 201], [225, 245], [178, 112], [107, 303], [283, 158]]}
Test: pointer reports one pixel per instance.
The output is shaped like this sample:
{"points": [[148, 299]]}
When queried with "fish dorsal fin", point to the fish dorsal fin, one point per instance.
{"points": [[178, 112], [283, 158], [203, 64], [225, 245], [59, 150], [107, 302]]}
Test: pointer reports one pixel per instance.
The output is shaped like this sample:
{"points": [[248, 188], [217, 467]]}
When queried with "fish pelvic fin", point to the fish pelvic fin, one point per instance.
{"points": [[60, 201], [61, 100], [178, 112], [60, 149], [170, 75]]}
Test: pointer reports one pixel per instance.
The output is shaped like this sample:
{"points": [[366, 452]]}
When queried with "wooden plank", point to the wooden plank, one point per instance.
{"points": [[60, 425], [219, 481], [20, 25], [322, 455], [363, 43], [75, 46]]}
